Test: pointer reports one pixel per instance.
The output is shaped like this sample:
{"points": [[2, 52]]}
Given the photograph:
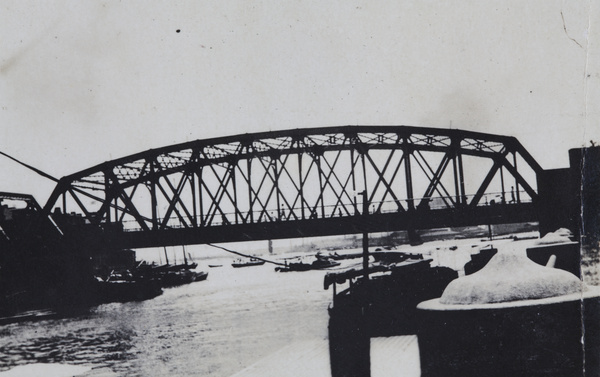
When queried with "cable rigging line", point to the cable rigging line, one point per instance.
{"points": [[245, 255], [45, 175]]}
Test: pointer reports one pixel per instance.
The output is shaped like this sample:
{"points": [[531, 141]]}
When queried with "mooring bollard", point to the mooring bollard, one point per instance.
{"points": [[512, 318], [349, 343]]}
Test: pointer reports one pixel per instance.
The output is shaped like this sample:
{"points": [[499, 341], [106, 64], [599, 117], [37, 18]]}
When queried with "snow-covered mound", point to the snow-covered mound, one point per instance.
{"points": [[561, 235], [510, 276]]}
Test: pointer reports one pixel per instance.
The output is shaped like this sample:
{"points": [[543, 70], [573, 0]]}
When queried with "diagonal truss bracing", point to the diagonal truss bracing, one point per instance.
{"points": [[300, 175]]}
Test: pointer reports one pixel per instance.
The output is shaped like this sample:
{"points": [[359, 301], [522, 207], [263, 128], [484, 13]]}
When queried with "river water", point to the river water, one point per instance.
{"points": [[211, 328], [215, 327]]}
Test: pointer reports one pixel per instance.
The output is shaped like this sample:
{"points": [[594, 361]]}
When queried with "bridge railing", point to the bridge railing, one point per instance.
{"points": [[332, 211]]}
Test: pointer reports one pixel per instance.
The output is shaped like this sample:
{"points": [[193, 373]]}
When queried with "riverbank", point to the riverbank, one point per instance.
{"points": [[222, 326]]}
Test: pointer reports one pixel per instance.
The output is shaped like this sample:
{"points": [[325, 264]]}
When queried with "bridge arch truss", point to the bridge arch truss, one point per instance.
{"points": [[301, 175]]}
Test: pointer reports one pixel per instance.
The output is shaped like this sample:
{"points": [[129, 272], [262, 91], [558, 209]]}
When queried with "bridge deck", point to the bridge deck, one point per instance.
{"points": [[383, 222]]}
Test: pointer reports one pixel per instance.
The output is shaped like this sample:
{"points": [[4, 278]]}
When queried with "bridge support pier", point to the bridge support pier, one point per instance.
{"points": [[569, 197]]}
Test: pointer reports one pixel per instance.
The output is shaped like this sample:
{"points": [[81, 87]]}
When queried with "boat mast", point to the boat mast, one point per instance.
{"points": [[166, 256]]}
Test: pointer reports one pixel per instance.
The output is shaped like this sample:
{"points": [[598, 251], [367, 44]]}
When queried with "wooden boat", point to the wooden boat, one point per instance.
{"points": [[391, 295], [168, 275], [123, 289], [319, 264], [176, 278], [186, 265], [247, 263]]}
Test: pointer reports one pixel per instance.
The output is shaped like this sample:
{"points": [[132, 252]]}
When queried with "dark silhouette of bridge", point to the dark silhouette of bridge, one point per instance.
{"points": [[304, 182]]}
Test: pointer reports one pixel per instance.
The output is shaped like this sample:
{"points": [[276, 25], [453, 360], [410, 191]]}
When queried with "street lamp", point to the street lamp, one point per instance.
{"points": [[365, 236]]}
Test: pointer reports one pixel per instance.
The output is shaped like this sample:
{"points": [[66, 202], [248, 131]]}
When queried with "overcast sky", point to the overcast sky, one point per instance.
{"points": [[86, 82]]}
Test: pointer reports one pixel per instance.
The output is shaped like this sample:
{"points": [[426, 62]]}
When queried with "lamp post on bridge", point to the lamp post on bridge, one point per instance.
{"points": [[365, 235], [366, 362]]}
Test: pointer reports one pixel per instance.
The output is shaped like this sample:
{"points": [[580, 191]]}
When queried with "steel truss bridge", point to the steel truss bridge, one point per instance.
{"points": [[304, 182]]}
